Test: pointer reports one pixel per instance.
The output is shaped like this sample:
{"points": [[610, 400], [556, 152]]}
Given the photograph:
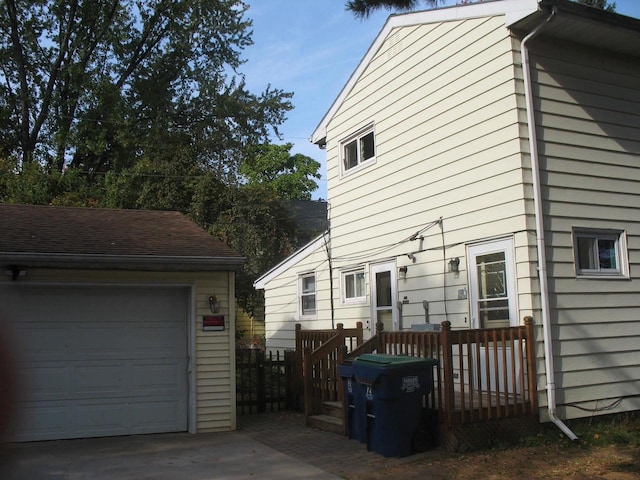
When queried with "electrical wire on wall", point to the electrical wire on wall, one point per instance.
{"points": [[367, 254], [444, 272], [327, 248], [614, 403]]}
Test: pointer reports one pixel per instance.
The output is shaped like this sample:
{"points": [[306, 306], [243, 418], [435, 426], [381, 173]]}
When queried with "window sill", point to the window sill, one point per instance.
{"points": [[354, 301], [603, 276], [356, 169]]}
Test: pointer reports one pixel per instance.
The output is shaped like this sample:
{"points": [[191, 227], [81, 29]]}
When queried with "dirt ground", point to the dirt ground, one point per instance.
{"points": [[608, 449], [610, 462]]}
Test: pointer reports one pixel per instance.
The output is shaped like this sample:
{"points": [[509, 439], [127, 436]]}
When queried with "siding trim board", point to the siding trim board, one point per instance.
{"points": [[289, 262]]}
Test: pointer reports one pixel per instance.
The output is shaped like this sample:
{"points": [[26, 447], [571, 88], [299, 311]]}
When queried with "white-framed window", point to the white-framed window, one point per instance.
{"points": [[358, 150], [353, 285], [600, 253], [307, 295]]}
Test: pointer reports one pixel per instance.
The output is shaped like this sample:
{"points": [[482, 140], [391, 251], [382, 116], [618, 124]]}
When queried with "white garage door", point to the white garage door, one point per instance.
{"points": [[99, 361]]}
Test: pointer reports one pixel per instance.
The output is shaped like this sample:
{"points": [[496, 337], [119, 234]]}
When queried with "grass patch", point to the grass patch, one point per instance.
{"points": [[620, 429]]}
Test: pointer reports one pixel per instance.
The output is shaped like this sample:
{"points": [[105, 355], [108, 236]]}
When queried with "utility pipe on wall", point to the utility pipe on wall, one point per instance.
{"points": [[537, 201]]}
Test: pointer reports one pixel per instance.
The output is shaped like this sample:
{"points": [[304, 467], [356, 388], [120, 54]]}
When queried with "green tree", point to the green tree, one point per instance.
{"points": [[256, 224], [30, 184], [292, 177], [254, 218], [89, 84], [364, 8]]}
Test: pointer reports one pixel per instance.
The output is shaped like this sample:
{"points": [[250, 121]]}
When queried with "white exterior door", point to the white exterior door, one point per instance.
{"points": [[384, 296], [99, 361], [492, 286], [493, 297]]}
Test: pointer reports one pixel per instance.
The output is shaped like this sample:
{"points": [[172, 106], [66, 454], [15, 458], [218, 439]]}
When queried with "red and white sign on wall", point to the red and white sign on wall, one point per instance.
{"points": [[213, 323]]}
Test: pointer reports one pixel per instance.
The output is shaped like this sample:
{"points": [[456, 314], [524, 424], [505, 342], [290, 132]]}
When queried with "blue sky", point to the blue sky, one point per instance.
{"points": [[310, 48]]}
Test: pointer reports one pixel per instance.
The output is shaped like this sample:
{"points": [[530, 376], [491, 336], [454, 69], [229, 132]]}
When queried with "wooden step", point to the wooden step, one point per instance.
{"points": [[333, 409], [327, 423]]}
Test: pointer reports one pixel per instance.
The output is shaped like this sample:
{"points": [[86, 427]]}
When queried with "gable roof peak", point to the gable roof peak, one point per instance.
{"points": [[512, 10]]}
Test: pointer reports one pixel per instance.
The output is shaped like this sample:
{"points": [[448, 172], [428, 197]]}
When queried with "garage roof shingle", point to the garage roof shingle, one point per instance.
{"points": [[89, 235]]}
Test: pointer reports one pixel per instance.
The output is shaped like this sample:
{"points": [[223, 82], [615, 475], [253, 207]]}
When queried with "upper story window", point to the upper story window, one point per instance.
{"points": [[353, 286], [600, 253], [307, 295], [358, 149]]}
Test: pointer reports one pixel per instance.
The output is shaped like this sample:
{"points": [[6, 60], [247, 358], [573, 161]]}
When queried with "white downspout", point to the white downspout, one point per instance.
{"points": [[537, 201]]}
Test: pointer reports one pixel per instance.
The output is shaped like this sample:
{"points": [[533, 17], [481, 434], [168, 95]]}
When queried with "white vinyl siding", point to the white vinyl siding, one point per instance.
{"points": [[215, 355], [282, 295], [447, 145], [588, 113], [452, 163]]}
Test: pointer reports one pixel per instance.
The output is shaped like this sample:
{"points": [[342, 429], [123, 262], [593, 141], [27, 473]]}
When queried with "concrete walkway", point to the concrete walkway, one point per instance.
{"points": [[267, 446], [155, 457]]}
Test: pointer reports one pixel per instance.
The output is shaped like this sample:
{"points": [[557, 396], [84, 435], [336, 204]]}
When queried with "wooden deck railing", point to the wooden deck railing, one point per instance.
{"points": [[318, 354], [488, 373], [482, 374]]}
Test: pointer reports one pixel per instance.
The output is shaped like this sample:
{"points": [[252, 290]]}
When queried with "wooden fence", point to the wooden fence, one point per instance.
{"points": [[264, 381]]}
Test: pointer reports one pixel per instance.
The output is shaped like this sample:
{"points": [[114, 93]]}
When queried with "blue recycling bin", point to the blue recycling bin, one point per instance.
{"points": [[395, 389], [354, 402]]}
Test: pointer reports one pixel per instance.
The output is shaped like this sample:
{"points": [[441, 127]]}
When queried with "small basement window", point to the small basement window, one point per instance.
{"points": [[358, 150], [600, 253]]}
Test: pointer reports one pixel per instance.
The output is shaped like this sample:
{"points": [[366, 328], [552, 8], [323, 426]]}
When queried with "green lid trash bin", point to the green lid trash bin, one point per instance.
{"points": [[395, 388]]}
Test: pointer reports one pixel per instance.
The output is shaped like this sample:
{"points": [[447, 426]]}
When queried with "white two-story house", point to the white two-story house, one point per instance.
{"points": [[483, 165]]}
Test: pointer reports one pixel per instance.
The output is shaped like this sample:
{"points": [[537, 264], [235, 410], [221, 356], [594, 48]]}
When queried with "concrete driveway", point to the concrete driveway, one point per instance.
{"points": [[181, 456]]}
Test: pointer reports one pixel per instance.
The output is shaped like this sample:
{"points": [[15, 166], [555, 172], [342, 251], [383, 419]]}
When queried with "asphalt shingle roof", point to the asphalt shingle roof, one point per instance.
{"points": [[94, 232]]}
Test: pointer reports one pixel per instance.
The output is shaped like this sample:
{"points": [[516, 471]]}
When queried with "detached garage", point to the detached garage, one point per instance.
{"points": [[104, 309]]}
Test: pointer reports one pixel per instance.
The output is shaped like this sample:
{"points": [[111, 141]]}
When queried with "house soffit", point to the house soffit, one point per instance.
{"points": [[592, 27]]}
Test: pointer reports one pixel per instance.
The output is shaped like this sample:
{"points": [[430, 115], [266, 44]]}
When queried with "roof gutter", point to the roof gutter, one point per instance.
{"points": [[122, 262], [537, 201]]}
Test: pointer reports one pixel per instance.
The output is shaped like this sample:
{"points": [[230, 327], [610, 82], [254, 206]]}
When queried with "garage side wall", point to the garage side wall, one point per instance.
{"points": [[215, 356]]}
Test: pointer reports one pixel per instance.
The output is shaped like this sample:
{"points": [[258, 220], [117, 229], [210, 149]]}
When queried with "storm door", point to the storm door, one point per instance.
{"points": [[384, 296], [493, 296], [492, 285]]}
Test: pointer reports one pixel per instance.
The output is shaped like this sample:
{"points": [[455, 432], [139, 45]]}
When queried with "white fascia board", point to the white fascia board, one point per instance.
{"points": [[513, 10], [290, 261]]}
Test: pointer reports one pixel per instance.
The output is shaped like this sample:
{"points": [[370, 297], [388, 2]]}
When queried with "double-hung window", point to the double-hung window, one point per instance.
{"points": [[600, 253], [358, 149], [307, 295], [353, 286]]}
